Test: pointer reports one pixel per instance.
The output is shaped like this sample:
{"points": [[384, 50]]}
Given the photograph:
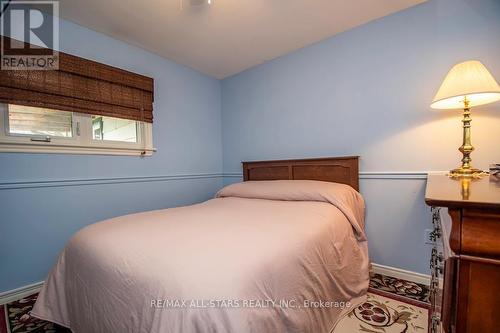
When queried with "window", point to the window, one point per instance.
{"points": [[81, 107], [30, 121], [114, 129], [34, 129]]}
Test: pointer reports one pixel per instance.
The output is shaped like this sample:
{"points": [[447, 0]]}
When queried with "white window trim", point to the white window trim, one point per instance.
{"points": [[81, 143]]}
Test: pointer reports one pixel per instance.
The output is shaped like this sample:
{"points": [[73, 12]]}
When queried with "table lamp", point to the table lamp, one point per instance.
{"points": [[466, 85]]}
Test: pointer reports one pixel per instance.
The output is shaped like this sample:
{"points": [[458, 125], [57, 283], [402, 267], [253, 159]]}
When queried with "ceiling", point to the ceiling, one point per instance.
{"points": [[228, 36]]}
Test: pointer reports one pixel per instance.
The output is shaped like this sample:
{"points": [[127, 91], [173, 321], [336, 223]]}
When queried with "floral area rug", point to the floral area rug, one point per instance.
{"points": [[393, 306], [381, 314], [18, 319], [416, 291]]}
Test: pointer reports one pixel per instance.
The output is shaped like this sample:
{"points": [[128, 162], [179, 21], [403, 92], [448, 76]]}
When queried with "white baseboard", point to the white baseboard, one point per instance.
{"points": [[17, 294], [401, 274]]}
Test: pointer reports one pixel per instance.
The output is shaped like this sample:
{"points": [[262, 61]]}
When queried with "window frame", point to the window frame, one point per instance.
{"points": [[81, 142]]}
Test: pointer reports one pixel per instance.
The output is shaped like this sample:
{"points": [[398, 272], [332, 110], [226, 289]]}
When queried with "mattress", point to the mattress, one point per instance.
{"points": [[272, 256]]}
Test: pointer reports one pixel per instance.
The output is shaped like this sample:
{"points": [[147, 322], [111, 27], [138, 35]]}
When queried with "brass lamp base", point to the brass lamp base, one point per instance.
{"points": [[466, 170], [466, 173]]}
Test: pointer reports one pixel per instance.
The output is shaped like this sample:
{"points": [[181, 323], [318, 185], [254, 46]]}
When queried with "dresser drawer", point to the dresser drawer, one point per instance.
{"points": [[481, 233]]}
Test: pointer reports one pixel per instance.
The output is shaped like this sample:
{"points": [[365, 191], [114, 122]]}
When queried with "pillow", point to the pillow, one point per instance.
{"points": [[342, 196]]}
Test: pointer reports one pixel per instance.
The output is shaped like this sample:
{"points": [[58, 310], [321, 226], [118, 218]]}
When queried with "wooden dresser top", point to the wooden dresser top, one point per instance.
{"points": [[443, 191]]}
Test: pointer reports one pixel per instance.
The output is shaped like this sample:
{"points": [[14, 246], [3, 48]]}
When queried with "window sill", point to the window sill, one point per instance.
{"points": [[42, 148]]}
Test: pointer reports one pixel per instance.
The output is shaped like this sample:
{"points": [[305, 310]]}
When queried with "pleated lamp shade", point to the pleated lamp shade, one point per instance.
{"points": [[468, 79]]}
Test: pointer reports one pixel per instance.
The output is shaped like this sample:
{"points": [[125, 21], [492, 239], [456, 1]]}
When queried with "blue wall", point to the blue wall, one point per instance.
{"points": [[367, 92], [37, 218]]}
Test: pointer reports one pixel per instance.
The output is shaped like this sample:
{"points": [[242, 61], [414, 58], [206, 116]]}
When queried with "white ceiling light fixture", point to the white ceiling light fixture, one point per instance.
{"points": [[200, 2], [195, 4]]}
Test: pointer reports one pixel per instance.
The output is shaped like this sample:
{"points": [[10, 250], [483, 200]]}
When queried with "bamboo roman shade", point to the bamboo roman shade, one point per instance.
{"points": [[81, 85]]}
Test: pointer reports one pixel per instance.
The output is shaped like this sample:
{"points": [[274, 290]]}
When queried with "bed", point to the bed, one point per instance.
{"points": [[284, 251]]}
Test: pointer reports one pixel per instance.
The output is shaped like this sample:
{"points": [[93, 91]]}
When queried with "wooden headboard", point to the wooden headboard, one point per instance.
{"points": [[330, 169]]}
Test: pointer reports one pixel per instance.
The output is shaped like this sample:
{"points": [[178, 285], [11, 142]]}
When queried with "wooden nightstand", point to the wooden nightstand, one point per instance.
{"points": [[465, 263]]}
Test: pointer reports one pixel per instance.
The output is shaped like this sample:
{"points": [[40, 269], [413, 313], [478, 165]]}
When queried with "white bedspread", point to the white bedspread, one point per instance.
{"points": [[217, 266]]}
